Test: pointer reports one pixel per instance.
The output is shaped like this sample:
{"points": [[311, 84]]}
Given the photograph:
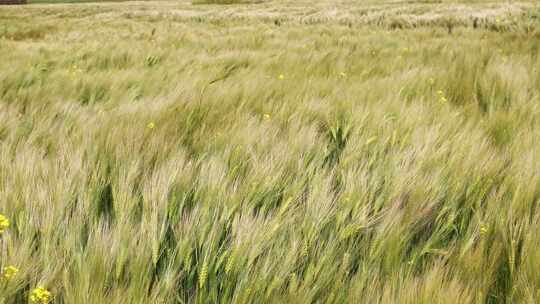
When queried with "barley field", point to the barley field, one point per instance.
{"points": [[270, 152]]}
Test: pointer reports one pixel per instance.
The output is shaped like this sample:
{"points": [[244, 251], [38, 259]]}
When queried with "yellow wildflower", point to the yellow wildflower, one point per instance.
{"points": [[40, 295], [151, 125], [281, 77], [266, 116], [342, 74], [442, 98], [483, 229], [4, 223], [9, 272]]}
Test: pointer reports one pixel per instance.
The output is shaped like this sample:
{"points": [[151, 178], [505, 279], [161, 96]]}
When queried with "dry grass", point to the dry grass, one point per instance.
{"points": [[282, 152]]}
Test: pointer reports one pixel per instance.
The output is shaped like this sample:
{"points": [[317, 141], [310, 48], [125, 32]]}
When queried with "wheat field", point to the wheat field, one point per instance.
{"points": [[274, 152]]}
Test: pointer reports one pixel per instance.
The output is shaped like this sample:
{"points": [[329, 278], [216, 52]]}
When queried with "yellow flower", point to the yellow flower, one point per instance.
{"points": [[440, 92], [281, 77], [483, 229], [4, 223], [266, 116], [443, 99], [40, 295], [9, 272], [151, 125], [343, 74]]}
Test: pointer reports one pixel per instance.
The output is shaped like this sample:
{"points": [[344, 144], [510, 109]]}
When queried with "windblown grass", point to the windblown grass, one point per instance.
{"points": [[288, 152], [226, 1]]}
